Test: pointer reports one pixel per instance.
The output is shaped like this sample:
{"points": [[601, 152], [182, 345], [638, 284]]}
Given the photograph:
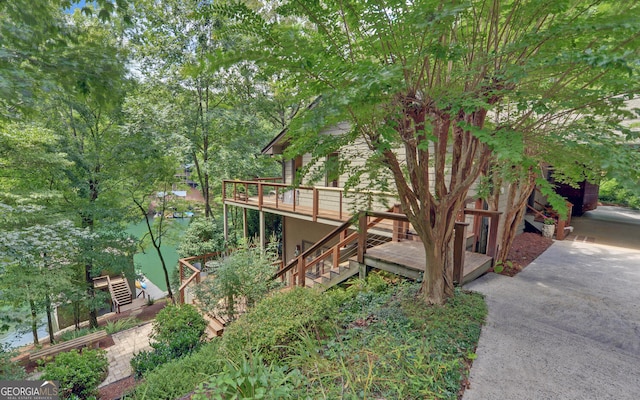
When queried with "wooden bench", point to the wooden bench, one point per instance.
{"points": [[91, 339]]}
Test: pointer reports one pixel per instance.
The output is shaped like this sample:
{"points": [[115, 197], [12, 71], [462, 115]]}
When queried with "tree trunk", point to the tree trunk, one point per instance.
{"points": [[91, 293], [156, 241], [518, 193], [76, 314], [34, 322], [49, 319]]}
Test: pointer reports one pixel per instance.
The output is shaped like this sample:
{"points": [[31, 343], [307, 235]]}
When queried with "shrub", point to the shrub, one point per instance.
{"points": [[179, 327], [250, 379], [9, 370], [179, 377], [146, 361], [79, 374], [76, 333], [612, 191], [243, 276], [177, 331], [276, 321]]}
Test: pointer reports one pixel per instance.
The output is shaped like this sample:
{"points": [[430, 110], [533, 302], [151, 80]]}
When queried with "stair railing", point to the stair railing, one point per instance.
{"points": [[297, 268], [185, 266]]}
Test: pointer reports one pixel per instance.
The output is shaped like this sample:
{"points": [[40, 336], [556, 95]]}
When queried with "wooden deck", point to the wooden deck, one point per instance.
{"points": [[407, 258], [269, 204]]}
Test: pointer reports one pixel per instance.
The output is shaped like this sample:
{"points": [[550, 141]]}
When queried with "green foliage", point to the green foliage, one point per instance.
{"points": [[179, 377], [121, 324], [9, 369], [203, 236], [372, 340], [611, 191], [75, 333], [391, 346], [500, 266], [250, 379], [79, 374], [276, 321], [146, 361], [177, 331], [239, 280], [180, 327]]}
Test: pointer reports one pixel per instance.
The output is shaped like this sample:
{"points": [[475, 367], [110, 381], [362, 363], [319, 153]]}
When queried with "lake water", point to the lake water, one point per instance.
{"points": [[148, 262]]}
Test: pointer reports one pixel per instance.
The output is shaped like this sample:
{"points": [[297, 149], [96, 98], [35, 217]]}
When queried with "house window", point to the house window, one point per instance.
{"points": [[332, 176], [296, 164]]}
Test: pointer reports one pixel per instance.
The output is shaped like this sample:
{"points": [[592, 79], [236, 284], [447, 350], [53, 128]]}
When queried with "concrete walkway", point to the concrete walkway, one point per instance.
{"points": [[567, 327], [126, 344], [610, 225]]}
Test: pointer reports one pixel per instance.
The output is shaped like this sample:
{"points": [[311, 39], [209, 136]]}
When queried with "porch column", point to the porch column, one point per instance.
{"points": [[225, 222], [245, 226], [263, 240]]}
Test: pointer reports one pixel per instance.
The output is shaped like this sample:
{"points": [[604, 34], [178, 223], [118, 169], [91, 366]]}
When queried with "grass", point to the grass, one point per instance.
{"points": [[371, 340], [121, 324]]}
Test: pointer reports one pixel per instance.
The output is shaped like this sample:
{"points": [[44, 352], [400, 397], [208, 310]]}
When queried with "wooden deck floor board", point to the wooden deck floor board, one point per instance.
{"points": [[411, 255]]}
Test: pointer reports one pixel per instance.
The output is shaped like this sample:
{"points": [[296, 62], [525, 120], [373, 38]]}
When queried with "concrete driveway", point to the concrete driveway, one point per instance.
{"points": [[567, 327], [614, 226]]}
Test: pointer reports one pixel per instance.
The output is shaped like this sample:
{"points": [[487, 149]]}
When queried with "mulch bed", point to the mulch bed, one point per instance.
{"points": [[117, 389], [526, 248]]}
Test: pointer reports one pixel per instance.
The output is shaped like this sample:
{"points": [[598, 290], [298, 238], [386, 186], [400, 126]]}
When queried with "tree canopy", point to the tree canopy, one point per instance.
{"points": [[438, 89]]}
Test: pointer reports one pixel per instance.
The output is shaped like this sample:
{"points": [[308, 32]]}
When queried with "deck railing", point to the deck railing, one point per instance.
{"points": [[315, 201], [190, 270], [353, 238]]}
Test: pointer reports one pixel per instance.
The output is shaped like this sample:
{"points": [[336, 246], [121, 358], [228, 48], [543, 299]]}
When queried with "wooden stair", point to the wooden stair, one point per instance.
{"points": [[120, 292], [215, 323], [332, 277]]}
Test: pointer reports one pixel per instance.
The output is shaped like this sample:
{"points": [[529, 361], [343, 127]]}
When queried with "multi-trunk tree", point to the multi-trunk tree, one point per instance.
{"points": [[436, 89]]}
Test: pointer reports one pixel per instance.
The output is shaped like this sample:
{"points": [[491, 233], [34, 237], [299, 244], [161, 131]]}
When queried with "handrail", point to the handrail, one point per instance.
{"points": [[316, 201], [316, 246], [364, 225], [301, 262], [196, 272]]}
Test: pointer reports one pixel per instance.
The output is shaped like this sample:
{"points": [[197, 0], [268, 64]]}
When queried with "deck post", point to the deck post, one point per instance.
{"points": [[362, 271], [560, 229], [225, 222], [301, 271], [314, 213], [397, 225], [336, 257], [245, 226], [181, 295], [460, 236], [263, 239], [492, 246], [362, 236], [260, 195]]}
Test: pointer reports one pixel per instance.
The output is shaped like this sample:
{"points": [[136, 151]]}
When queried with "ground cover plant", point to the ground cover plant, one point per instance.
{"points": [[79, 373], [369, 340]]}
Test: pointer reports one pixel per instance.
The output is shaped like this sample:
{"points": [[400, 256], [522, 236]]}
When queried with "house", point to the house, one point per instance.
{"points": [[318, 229]]}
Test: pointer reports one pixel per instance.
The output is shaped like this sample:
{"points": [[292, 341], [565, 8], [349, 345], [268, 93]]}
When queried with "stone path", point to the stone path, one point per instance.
{"points": [[126, 344]]}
